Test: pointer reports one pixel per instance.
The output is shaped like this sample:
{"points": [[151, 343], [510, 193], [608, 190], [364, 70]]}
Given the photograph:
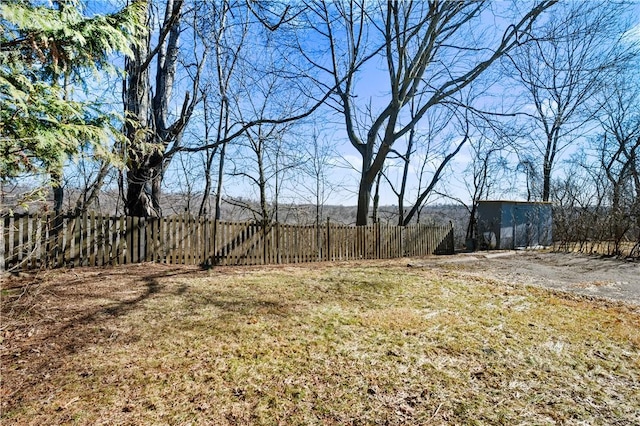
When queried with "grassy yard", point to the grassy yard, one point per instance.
{"points": [[352, 343]]}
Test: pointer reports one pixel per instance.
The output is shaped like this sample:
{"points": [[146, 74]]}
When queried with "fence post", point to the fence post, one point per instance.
{"points": [[205, 240], [92, 238], [318, 240], [378, 242], [328, 238], [275, 244], [214, 246], [263, 230]]}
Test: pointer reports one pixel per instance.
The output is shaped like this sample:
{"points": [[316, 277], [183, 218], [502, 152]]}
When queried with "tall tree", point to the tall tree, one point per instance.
{"points": [[153, 134], [487, 168], [423, 148], [433, 49], [225, 27], [576, 49], [43, 51], [263, 154]]}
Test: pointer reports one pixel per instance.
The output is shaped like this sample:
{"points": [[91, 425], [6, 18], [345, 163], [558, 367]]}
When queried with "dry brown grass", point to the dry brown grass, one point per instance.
{"points": [[354, 343]]}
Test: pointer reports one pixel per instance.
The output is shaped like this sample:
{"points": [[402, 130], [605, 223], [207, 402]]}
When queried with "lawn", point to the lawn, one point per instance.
{"points": [[331, 343]]}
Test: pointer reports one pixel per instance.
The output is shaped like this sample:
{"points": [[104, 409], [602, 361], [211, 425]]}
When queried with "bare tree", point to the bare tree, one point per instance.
{"points": [[208, 155], [263, 156], [429, 50], [153, 134], [488, 167], [527, 165], [423, 146], [579, 203], [597, 201], [428, 151], [225, 28], [447, 152], [575, 49], [619, 149], [318, 165], [247, 47], [265, 160]]}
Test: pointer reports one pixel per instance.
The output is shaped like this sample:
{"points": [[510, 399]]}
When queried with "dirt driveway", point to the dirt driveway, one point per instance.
{"points": [[586, 275]]}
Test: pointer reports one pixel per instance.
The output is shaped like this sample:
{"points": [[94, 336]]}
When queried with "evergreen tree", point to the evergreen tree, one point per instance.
{"points": [[43, 51]]}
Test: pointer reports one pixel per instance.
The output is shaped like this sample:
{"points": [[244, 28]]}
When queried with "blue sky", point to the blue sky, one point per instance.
{"points": [[346, 162]]}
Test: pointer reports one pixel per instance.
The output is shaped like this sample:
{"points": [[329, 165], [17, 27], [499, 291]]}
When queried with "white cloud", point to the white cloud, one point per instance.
{"points": [[633, 35]]}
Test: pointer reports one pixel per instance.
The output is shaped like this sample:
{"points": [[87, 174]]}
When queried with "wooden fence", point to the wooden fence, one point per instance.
{"points": [[35, 241]]}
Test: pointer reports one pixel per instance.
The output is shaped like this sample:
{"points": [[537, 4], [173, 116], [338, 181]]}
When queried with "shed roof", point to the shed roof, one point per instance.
{"points": [[513, 202]]}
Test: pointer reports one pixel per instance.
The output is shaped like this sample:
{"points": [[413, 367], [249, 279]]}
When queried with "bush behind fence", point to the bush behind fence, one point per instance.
{"points": [[36, 241]]}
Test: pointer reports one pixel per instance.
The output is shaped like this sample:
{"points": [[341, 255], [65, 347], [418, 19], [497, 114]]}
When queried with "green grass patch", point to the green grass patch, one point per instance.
{"points": [[367, 343]]}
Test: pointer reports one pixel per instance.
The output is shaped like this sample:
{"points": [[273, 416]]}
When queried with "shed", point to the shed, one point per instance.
{"points": [[514, 224]]}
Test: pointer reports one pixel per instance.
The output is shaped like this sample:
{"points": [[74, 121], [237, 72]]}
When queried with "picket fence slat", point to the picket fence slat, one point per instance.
{"points": [[33, 241]]}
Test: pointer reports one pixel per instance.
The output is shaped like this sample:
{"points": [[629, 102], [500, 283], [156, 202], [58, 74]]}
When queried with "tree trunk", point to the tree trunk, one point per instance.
{"points": [[58, 192], [91, 192], [376, 200], [364, 196], [546, 182], [220, 177], [137, 110], [148, 129]]}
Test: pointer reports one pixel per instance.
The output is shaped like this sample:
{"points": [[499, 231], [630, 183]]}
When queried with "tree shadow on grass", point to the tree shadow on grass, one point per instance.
{"points": [[48, 319], [44, 321]]}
